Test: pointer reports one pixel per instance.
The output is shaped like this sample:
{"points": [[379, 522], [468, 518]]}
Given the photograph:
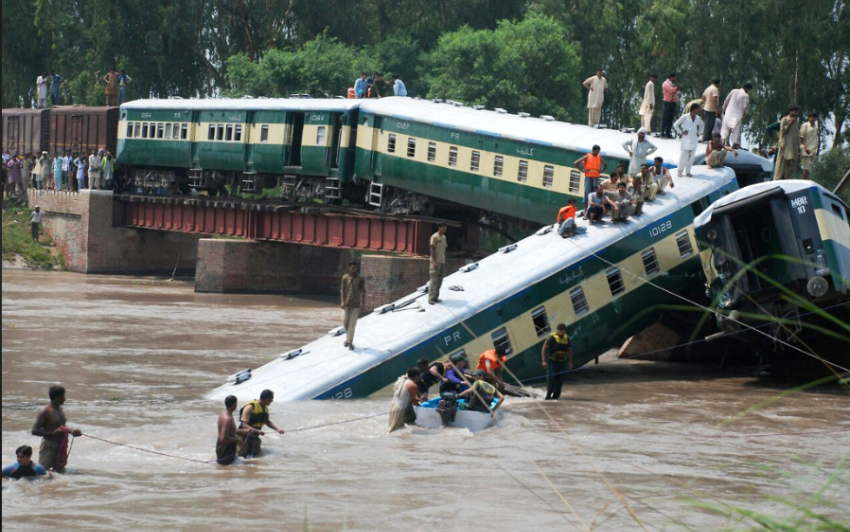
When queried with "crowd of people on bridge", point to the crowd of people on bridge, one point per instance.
{"points": [[115, 83], [71, 172]]}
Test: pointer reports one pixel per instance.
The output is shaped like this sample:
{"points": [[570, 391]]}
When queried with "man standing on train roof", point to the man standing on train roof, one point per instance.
{"points": [[430, 373], [225, 446], [596, 87], [25, 467], [788, 152], [491, 362], [711, 102], [42, 82], [352, 298], [379, 86], [670, 90], [592, 165], [638, 148], [255, 415], [455, 382], [111, 80], [647, 106], [567, 219], [735, 109], [361, 85], [50, 425], [689, 128], [405, 398], [398, 86], [715, 151], [55, 81], [557, 360], [438, 263], [481, 394], [123, 81], [809, 141]]}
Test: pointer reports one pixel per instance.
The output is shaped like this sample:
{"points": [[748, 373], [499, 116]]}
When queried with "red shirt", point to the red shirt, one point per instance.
{"points": [[566, 212], [671, 92]]}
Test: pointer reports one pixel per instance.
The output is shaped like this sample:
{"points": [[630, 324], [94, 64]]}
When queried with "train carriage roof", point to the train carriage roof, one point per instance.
{"points": [[253, 104], [536, 130]]}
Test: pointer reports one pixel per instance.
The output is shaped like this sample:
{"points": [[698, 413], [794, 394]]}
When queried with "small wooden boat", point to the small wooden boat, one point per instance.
{"points": [[430, 416]]}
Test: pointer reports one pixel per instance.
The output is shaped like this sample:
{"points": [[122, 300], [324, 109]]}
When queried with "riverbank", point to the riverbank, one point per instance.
{"points": [[19, 251]]}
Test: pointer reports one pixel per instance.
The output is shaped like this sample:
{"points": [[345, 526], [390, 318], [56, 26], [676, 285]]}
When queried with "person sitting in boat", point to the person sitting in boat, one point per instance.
{"points": [[491, 362], [255, 415], [429, 375], [454, 382], [405, 398], [481, 394], [25, 467]]}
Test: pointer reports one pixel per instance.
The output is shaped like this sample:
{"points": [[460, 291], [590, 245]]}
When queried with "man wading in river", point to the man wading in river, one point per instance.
{"points": [[50, 425], [255, 415], [228, 434]]}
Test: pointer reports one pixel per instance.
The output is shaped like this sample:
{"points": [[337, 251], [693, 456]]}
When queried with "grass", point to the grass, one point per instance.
{"points": [[17, 239]]}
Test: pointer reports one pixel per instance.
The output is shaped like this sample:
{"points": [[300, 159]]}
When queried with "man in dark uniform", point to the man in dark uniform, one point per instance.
{"points": [[255, 415], [556, 351]]}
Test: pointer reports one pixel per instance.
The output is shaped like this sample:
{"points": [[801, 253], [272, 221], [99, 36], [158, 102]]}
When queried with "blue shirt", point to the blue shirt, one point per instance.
{"points": [[56, 79], [399, 88], [360, 87], [12, 471]]}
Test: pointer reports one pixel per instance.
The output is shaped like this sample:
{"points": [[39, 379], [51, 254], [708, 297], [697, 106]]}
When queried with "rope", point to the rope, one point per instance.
{"points": [[339, 422], [149, 451], [813, 433]]}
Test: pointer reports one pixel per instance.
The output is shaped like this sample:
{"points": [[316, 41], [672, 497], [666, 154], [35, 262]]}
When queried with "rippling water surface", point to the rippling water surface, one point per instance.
{"points": [[630, 441]]}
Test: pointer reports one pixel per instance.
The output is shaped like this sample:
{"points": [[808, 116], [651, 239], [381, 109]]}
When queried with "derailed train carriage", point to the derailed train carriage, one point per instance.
{"points": [[776, 256]]}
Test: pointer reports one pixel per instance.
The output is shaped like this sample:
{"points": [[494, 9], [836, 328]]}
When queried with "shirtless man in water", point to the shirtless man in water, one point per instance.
{"points": [[50, 425], [225, 447]]}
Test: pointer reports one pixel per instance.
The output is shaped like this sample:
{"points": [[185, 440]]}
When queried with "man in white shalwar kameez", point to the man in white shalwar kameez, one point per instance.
{"points": [[647, 106], [638, 149], [596, 87], [689, 127], [734, 112]]}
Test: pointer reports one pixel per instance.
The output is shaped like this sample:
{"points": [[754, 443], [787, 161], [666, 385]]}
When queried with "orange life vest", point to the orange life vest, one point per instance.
{"points": [[495, 361], [566, 212], [592, 165]]}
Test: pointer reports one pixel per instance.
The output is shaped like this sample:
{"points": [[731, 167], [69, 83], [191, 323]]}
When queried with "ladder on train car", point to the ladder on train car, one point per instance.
{"points": [[376, 194], [288, 186], [333, 188], [196, 177], [249, 183]]}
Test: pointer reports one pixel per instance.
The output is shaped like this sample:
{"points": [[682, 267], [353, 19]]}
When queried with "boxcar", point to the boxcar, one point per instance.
{"points": [[26, 130], [82, 129]]}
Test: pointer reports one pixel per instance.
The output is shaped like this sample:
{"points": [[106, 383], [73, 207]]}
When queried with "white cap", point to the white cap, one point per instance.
{"points": [[642, 130]]}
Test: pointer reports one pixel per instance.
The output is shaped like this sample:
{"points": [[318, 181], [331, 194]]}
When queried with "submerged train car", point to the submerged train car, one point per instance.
{"points": [[304, 143], [595, 282], [516, 165], [778, 253]]}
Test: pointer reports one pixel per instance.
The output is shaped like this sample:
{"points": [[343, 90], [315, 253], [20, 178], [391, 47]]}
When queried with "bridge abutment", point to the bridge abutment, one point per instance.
{"points": [[83, 228]]}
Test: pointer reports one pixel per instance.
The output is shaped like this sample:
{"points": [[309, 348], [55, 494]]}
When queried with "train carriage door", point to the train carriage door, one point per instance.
{"points": [[295, 121], [250, 120], [195, 138], [336, 140], [376, 145], [75, 133]]}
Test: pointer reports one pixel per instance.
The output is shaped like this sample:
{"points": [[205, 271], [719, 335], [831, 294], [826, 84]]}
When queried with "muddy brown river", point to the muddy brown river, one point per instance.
{"points": [[631, 445]]}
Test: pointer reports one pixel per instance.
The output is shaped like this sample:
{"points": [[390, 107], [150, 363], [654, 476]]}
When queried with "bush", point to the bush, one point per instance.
{"points": [[830, 168]]}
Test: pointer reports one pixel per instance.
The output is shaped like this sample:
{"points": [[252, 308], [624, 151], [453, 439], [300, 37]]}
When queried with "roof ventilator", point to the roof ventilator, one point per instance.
{"points": [[548, 118], [507, 249], [247, 97], [239, 378], [601, 126], [336, 332], [478, 107], [456, 288], [423, 289], [546, 230], [293, 354], [501, 111], [523, 115], [469, 267], [385, 308]]}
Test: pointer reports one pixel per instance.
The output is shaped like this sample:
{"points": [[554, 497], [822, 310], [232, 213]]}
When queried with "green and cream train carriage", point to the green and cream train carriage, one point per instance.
{"points": [[604, 284], [780, 250], [307, 144]]}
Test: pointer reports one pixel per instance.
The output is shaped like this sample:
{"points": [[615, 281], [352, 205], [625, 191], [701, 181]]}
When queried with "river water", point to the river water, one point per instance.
{"points": [[631, 444]]}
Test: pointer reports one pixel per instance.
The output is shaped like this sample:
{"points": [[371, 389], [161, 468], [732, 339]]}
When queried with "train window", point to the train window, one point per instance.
{"points": [[615, 281], [228, 132], [541, 322], [219, 132], [145, 130], [500, 338], [475, 162], [320, 135], [264, 134], [452, 156], [684, 243], [211, 132], [137, 129], [837, 210], [432, 152], [237, 133], [411, 147], [522, 173], [391, 143], [184, 131], [575, 180], [168, 131], [175, 130], [160, 130], [650, 262], [578, 300], [548, 176], [129, 129], [498, 165]]}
